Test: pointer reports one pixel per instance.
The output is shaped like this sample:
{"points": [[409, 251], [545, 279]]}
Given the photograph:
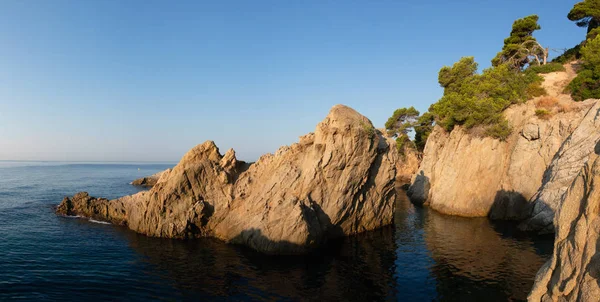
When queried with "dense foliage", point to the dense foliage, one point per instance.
{"points": [[405, 120], [423, 128], [569, 55], [401, 121], [476, 100], [593, 33], [548, 68], [587, 83], [586, 14], [472, 99]]}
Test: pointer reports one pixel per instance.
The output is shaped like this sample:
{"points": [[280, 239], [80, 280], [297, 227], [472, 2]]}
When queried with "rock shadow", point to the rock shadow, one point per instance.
{"points": [[474, 261], [510, 205], [350, 268], [320, 231], [255, 239]]}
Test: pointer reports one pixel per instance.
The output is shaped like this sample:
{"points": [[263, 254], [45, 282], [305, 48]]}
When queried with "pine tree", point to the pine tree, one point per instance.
{"points": [[586, 14], [520, 48]]}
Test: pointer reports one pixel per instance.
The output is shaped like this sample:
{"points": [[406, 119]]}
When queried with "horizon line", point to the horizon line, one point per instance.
{"points": [[87, 161]]}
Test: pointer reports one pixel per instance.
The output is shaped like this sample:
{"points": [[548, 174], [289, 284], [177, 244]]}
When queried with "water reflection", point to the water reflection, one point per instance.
{"points": [[357, 269], [476, 260], [425, 256]]}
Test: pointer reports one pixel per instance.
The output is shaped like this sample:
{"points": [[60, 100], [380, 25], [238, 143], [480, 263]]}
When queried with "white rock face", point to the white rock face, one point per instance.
{"points": [[335, 182]]}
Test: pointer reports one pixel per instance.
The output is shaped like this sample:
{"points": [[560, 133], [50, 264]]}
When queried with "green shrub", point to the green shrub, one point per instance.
{"points": [[548, 68], [535, 89], [543, 114], [585, 86], [423, 128], [368, 129], [593, 33], [500, 130], [403, 142], [479, 99], [405, 120], [569, 55], [587, 83]]}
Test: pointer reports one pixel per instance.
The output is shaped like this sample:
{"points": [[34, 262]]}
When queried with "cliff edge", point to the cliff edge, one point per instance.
{"points": [[467, 174]]}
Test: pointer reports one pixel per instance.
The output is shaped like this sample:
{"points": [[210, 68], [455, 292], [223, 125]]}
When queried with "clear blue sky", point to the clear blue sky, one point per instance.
{"points": [[109, 80]]}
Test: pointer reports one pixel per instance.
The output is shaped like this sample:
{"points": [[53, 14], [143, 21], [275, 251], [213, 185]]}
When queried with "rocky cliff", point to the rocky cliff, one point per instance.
{"points": [[336, 181], [466, 174], [573, 272], [565, 166]]}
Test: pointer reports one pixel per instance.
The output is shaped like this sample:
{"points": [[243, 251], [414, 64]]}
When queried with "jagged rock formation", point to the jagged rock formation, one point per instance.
{"points": [[149, 181], [565, 166], [468, 175], [336, 181], [96, 208], [573, 272]]}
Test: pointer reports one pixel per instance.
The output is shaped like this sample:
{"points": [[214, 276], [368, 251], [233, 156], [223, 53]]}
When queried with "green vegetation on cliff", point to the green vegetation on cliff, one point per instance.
{"points": [[521, 48], [548, 68], [476, 100], [586, 14], [587, 83], [472, 99], [405, 120]]}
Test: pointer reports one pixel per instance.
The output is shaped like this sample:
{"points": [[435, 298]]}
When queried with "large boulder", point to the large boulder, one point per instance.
{"points": [[334, 182]]}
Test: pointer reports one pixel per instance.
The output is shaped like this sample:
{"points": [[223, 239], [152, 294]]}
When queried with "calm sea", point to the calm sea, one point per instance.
{"points": [[425, 256]]}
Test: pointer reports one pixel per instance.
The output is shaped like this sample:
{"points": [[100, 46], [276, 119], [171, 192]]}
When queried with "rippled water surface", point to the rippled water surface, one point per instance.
{"points": [[425, 256]]}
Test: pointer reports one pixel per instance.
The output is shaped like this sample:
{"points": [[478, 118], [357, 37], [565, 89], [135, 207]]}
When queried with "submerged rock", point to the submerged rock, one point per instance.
{"points": [[334, 182]]}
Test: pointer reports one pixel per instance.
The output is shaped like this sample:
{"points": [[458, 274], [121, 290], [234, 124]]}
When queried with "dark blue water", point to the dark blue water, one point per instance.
{"points": [[425, 256]]}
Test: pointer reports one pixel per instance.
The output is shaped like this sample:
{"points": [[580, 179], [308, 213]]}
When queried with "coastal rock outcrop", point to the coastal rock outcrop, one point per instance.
{"points": [[336, 181], [95, 208], [464, 173], [563, 169], [468, 175], [573, 272], [149, 181]]}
